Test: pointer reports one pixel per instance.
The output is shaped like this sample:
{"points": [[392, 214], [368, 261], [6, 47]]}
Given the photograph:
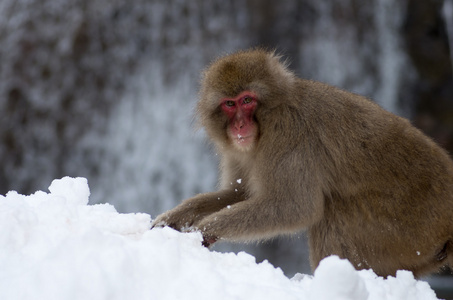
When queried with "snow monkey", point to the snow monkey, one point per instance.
{"points": [[302, 155]]}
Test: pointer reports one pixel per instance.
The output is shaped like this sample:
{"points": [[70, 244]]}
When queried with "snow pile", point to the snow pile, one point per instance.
{"points": [[55, 246]]}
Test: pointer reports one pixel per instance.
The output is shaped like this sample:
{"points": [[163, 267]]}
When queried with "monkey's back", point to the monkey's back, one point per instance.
{"points": [[381, 175]]}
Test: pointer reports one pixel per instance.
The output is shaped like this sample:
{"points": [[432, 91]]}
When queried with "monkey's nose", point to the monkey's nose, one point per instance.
{"points": [[239, 124]]}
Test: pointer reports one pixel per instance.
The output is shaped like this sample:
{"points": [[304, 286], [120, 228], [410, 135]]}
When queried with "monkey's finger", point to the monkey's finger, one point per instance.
{"points": [[209, 241], [160, 222], [158, 225]]}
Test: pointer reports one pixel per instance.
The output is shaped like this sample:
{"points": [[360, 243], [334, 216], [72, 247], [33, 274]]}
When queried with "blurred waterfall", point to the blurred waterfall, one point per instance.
{"points": [[157, 156], [112, 89], [368, 59], [112, 85]]}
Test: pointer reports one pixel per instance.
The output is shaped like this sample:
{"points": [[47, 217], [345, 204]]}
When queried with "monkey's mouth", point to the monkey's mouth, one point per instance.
{"points": [[241, 138], [244, 141]]}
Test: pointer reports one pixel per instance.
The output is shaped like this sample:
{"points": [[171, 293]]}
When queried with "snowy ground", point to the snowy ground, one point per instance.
{"points": [[56, 246]]}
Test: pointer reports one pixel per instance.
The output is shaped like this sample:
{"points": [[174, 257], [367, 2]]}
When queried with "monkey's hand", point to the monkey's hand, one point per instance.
{"points": [[182, 223], [180, 218], [186, 216]]}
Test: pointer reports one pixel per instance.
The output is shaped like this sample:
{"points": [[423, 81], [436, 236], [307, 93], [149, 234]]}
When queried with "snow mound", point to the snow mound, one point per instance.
{"points": [[56, 246]]}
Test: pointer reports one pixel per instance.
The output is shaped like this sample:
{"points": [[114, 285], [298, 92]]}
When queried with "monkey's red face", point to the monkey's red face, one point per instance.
{"points": [[242, 129]]}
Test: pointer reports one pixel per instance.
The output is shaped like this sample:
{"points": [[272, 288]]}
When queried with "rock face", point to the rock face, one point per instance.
{"points": [[427, 43]]}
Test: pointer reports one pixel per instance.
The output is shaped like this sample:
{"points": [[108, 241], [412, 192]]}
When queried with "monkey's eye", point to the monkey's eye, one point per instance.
{"points": [[229, 103], [247, 100]]}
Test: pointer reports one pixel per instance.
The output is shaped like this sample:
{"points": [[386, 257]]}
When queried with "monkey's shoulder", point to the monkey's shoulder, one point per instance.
{"points": [[328, 94]]}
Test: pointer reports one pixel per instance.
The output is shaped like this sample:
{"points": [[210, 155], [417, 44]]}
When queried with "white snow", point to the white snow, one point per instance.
{"points": [[56, 246]]}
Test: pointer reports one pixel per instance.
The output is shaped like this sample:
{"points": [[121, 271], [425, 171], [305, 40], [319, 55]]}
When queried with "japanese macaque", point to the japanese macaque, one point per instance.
{"points": [[302, 155]]}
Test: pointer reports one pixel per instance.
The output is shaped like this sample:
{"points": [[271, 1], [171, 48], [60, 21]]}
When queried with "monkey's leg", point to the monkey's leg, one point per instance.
{"points": [[192, 210]]}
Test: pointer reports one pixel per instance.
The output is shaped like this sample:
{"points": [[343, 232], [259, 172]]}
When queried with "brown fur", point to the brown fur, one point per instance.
{"points": [[365, 183]]}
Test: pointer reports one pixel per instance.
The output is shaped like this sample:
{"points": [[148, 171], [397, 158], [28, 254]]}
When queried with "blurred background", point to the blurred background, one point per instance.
{"points": [[106, 89]]}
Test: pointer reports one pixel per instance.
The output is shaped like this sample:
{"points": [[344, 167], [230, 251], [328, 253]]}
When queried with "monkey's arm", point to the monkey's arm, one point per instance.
{"points": [[192, 210], [256, 219], [285, 196]]}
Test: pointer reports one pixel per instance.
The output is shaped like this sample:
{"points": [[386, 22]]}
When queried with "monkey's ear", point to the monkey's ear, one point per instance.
{"points": [[281, 67]]}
